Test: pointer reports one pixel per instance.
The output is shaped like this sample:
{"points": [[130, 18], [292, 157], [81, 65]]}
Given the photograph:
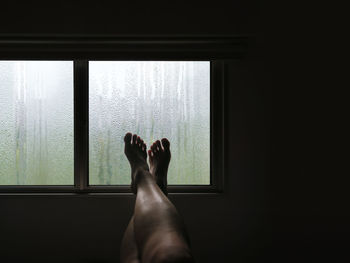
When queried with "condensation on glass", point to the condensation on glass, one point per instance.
{"points": [[36, 123], [155, 100]]}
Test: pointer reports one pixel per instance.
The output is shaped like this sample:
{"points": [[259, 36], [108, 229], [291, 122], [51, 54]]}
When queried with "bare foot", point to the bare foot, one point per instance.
{"points": [[159, 158], [135, 151]]}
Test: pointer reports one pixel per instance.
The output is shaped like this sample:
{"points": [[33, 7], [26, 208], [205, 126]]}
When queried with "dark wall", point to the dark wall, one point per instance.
{"points": [[273, 208], [126, 18]]}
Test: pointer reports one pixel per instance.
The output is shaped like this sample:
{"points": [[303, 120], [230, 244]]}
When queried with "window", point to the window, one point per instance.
{"points": [[154, 99], [66, 107], [36, 123]]}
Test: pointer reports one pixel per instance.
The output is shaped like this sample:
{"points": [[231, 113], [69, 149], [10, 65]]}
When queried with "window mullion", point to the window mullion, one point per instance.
{"points": [[81, 125]]}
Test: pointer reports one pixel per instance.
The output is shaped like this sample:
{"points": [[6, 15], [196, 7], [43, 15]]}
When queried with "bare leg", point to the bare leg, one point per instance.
{"points": [[159, 162], [159, 159], [128, 251], [159, 231]]}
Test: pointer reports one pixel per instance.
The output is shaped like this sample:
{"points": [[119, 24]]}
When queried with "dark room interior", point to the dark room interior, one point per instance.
{"points": [[270, 208]]}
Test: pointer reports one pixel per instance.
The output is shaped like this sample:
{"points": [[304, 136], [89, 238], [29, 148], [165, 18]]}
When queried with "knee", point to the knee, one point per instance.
{"points": [[173, 255]]}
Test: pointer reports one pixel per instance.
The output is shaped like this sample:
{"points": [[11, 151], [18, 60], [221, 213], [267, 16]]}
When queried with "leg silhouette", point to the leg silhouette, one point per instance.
{"points": [[156, 232], [128, 250]]}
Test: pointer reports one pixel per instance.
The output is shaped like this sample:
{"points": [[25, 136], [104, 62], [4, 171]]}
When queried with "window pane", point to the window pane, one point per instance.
{"points": [[36, 123], [154, 100]]}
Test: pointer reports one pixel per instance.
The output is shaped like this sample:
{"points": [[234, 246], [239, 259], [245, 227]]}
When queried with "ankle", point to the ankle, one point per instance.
{"points": [[142, 175]]}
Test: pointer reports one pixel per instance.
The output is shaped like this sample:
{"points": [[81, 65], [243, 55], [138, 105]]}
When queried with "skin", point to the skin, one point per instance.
{"points": [[156, 232]]}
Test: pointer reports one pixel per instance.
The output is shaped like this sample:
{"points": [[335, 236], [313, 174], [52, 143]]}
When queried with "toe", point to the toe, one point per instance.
{"points": [[153, 148], [150, 154], [159, 147], [127, 138], [134, 138], [166, 144]]}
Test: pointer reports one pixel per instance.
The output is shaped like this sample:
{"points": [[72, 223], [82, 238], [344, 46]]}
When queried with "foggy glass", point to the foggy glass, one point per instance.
{"points": [[154, 100], [36, 123]]}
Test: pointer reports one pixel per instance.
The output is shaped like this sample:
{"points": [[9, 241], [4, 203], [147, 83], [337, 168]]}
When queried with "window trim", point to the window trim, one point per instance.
{"points": [[83, 50]]}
